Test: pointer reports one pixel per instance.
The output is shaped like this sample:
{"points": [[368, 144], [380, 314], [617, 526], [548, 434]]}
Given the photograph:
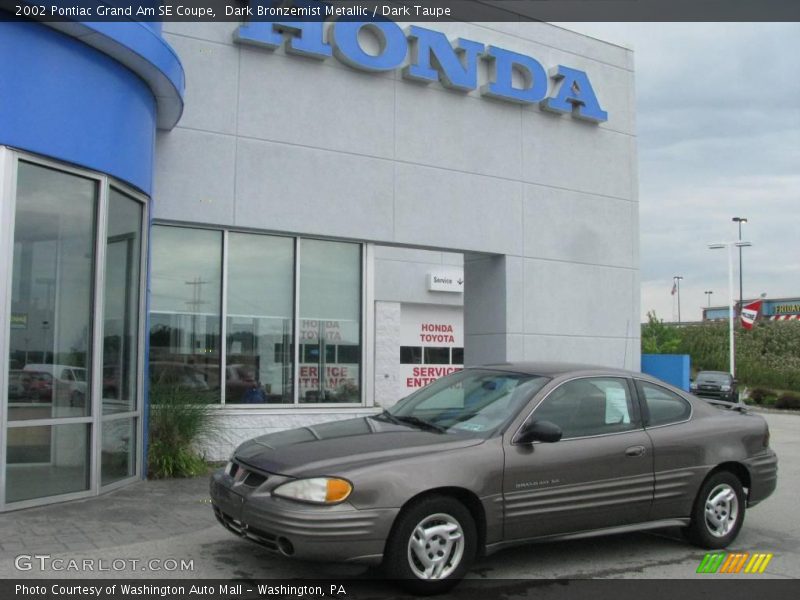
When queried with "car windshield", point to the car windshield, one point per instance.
{"points": [[709, 377], [475, 401]]}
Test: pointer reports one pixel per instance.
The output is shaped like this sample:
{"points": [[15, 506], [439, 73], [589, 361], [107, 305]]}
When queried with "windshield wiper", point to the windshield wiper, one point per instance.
{"points": [[409, 420], [387, 416], [421, 423]]}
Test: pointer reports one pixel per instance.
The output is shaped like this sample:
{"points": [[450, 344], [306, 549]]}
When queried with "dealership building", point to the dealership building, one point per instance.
{"points": [[296, 222]]}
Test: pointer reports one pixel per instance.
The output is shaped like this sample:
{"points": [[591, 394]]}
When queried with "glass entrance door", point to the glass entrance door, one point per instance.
{"points": [[71, 402]]}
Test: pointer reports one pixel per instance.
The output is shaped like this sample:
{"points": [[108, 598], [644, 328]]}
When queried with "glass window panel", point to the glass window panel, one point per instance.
{"points": [[118, 450], [590, 406], [437, 356], [121, 312], [410, 355], [330, 314], [185, 306], [260, 313], [47, 461], [52, 283], [664, 406], [458, 356]]}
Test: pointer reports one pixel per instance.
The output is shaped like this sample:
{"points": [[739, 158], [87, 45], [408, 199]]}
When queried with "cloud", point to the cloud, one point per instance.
{"points": [[718, 119]]}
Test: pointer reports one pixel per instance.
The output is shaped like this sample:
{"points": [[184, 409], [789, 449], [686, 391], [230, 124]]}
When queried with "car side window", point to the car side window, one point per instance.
{"points": [[664, 406], [590, 406]]}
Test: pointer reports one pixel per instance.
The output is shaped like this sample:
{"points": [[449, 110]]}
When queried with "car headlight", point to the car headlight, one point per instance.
{"points": [[320, 490], [692, 386], [725, 388]]}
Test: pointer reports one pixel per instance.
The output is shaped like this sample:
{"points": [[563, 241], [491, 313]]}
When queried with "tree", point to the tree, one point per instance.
{"points": [[658, 338]]}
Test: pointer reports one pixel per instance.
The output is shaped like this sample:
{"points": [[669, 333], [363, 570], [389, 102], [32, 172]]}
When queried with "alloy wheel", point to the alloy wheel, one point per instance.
{"points": [[436, 546]]}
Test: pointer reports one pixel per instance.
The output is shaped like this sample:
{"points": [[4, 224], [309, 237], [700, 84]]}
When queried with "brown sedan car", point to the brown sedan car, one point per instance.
{"points": [[494, 456]]}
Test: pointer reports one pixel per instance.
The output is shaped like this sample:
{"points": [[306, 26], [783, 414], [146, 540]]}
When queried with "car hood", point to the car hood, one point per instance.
{"points": [[328, 448]]}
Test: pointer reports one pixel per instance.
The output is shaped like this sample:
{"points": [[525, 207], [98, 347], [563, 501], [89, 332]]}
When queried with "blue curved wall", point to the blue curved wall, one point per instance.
{"points": [[64, 99]]}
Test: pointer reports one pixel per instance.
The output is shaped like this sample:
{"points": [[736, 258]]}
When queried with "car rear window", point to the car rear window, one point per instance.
{"points": [[664, 406]]}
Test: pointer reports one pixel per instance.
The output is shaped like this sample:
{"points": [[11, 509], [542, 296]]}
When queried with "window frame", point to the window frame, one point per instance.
{"points": [[365, 295]]}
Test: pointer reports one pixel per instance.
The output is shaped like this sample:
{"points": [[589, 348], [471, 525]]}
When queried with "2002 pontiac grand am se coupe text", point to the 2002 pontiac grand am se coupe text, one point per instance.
{"points": [[493, 456]]}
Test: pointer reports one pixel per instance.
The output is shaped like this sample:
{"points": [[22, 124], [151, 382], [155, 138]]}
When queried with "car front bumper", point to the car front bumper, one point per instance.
{"points": [[336, 533]]}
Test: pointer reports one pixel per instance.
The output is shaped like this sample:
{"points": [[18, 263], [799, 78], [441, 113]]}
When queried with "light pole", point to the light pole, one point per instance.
{"points": [[677, 280], [730, 245], [708, 296], [739, 221]]}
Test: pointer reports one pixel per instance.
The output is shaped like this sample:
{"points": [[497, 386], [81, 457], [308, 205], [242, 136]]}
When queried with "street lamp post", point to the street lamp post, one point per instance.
{"points": [[708, 296], [739, 221], [730, 245], [677, 280]]}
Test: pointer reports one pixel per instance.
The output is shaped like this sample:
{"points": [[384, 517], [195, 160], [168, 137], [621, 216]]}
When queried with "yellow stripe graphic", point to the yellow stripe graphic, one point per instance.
{"points": [[767, 558]]}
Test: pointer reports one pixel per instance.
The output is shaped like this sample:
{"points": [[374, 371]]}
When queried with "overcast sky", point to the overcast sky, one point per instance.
{"points": [[718, 119]]}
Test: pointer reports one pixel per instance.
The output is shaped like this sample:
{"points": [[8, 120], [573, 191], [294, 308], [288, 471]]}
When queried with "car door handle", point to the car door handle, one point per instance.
{"points": [[634, 451]]}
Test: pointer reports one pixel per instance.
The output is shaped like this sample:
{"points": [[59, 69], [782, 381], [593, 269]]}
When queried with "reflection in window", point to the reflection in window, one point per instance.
{"points": [[590, 406], [118, 450], [185, 302], [52, 285], [121, 311], [47, 460], [330, 315], [259, 327]]}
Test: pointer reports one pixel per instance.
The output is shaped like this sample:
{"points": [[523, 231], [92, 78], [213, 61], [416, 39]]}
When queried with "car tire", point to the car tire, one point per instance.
{"points": [[432, 544], [718, 511]]}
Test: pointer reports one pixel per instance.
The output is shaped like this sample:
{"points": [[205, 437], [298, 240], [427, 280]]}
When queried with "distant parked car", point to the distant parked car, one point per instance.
{"points": [[187, 377], [718, 385], [68, 381], [494, 456]]}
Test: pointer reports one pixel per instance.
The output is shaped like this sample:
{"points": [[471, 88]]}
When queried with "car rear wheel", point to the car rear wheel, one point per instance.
{"points": [[432, 545], [718, 511]]}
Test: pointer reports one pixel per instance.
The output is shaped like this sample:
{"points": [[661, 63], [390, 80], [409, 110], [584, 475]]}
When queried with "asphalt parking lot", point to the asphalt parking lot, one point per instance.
{"points": [[165, 520]]}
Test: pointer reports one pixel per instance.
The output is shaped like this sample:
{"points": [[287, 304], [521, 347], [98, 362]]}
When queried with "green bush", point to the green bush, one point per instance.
{"points": [[788, 401], [179, 418], [767, 356], [759, 395]]}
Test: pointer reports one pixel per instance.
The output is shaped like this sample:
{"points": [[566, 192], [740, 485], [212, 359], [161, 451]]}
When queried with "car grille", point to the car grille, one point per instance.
{"points": [[258, 536]]}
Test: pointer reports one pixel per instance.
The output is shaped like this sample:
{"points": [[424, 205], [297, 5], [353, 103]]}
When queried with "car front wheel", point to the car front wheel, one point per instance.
{"points": [[432, 545], [718, 511]]}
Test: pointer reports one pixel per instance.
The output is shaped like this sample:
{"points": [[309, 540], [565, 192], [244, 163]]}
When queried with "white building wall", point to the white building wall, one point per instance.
{"points": [[276, 142]]}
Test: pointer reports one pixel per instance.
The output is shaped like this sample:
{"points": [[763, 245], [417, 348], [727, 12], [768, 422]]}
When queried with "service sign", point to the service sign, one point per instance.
{"points": [[446, 281], [434, 337]]}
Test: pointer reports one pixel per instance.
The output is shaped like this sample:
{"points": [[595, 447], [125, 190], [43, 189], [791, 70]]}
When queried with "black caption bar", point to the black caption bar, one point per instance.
{"points": [[404, 10], [371, 589]]}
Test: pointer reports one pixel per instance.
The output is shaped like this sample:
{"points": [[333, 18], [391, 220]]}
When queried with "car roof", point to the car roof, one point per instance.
{"points": [[555, 369]]}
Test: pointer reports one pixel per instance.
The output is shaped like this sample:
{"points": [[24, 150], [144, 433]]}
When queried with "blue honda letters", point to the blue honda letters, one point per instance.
{"points": [[429, 56]]}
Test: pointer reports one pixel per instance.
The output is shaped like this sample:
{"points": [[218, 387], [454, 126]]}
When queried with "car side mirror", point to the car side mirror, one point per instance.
{"points": [[539, 431]]}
